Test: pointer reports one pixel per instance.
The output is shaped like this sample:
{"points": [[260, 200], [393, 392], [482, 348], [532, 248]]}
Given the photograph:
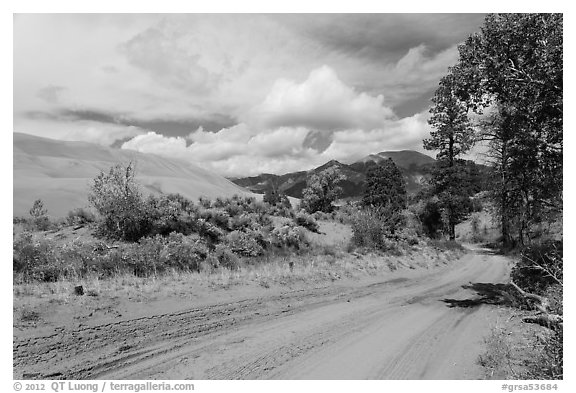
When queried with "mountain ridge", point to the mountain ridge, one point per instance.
{"points": [[411, 163]]}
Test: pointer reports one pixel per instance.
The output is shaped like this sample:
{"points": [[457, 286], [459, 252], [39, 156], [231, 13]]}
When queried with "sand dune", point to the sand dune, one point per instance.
{"points": [[59, 173]]}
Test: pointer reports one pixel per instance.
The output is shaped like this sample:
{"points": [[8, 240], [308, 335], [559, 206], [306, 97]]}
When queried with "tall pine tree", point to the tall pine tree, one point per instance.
{"points": [[452, 137]]}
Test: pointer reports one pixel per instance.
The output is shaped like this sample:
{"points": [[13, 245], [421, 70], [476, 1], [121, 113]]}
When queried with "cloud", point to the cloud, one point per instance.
{"points": [[104, 134], [231, 151], [50, 94], [241, 151], [296, 127], [99, 133], [401, 134], [321, 102], [266, 93], [157, 52], [382, 38]]}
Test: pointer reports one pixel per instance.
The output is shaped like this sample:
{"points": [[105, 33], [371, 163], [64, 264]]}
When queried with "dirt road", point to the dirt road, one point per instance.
{"points": [[416, 326]]}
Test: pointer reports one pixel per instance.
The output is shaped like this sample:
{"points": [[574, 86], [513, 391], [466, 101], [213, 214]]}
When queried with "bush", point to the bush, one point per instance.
{"points": [[80, 216], [216, 216], [184, 253], [118, 200], [430, 214], [289, 236], [172, 213], [44, 260], [26, 254], [244, 244], [241, 222], [38, 209], [271, 196], [157, 254], [373, 228], [38, 220], [540, 266], [222, 256], [307, 221], [209, 231]]}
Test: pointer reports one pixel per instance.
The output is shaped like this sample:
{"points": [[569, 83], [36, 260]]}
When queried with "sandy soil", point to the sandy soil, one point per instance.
{"points": [[416, 324], [60, 172]]}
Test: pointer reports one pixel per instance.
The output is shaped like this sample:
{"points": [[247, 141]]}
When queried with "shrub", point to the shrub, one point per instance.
{"points": [[241, 222], [157, 254], [285, 202], [216, 216], [184, 253], [38, 209], [244, 244], [43, 260], [539, 267], [117, 198], [372, 228], [80, 216], [26, 253], [39, 220], [271, 196], [172, 213], [289, 236], [205, 202], [222, 256], [209, 231], [307, 221], [430, 214]]}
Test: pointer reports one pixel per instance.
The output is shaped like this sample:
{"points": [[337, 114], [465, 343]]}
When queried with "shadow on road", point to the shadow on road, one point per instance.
{"points": [[486, 293]]}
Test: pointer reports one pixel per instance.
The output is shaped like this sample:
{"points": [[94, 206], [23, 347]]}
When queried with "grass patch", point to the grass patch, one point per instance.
{"points": [[520, 351]]}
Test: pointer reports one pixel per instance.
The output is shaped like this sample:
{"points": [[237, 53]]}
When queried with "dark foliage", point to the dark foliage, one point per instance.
{"points": [[539, 267], [385, 187]]}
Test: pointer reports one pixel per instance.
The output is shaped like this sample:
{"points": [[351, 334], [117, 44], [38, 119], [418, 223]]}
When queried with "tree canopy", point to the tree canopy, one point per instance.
{"points": [[321, 190], [512, 73], [385, 187]]}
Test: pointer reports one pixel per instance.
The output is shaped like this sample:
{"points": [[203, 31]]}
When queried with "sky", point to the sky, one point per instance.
{"points": [[239, 94]]}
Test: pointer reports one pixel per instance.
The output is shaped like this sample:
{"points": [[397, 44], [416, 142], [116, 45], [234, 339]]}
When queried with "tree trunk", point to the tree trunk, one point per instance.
{"points": [[542, 304], [451, 221], [505, 224], [504, 208]]}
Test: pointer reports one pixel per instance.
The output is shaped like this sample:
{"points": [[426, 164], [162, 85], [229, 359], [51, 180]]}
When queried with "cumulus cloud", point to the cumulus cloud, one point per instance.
{"points": [[401, 134], [241, 151], [151, 142], [273, 93], [296, 127], [321, 102], [234, 151]]}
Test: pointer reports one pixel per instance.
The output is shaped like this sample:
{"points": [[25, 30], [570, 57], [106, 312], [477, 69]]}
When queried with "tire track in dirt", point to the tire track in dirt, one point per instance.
{"points": [[390, 329]]}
